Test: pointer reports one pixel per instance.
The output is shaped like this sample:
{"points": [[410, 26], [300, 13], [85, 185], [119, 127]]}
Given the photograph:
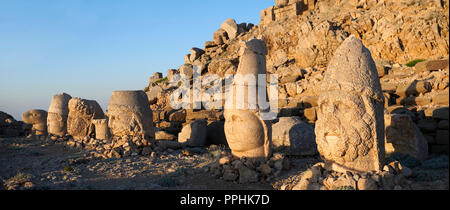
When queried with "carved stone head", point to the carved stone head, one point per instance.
{"points": [[247, 134], [129, 114], [38, 120], [350, 126], [57, 114]]}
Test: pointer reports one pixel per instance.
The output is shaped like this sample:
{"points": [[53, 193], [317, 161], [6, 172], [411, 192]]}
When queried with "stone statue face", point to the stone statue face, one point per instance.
{"points": [[35, 117], [344, 126], [350, 126], [129, 114]]}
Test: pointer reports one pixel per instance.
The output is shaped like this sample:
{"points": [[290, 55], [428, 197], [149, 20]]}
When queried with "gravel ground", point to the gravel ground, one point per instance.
{"points": [[43, 164]]}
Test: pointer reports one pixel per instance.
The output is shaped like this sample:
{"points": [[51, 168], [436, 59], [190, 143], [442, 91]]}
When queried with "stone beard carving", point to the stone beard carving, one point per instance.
{"points": [[58, 113], [350, 126], [38, 120], [247, 134], [129, 114], [81, 114]]}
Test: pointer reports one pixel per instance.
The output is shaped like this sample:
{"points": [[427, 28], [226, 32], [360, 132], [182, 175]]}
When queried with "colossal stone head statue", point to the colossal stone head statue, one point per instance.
{"points": [[247, 134], [129, 114], [57, 114], [82, 112], [38, 120], [350, 126]]}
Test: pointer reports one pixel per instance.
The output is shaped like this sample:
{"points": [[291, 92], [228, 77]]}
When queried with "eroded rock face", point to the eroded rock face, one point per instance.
{"points": [[247, 134], [129, 114], [350, 126], [38, 120], [82, 112], [57, 114]]}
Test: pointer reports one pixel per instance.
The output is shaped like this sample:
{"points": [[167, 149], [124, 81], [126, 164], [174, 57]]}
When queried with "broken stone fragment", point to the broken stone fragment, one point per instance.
{"points": [[230, 27]]}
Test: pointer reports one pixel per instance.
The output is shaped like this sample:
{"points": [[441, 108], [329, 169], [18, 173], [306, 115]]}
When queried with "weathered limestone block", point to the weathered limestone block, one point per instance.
{"points": [[38, 120], [81, 114], [267, 15], [294, 137], [163, 135], [441, 98], [186, 70], [153, 93], [431, 65], [129, 114], [350, 125], [220, 37], [414, 89], [281, 3], [194, 134], [101, 129], [57, 115], [248, 135], [404, 137], [170, 74], [155, 77], [230, 27]]}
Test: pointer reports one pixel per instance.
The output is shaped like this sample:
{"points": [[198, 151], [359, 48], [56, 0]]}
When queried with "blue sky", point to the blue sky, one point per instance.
{"points": [[89, 48]]}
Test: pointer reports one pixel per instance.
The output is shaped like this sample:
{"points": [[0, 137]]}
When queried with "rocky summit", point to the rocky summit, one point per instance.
{"points": [[360, 102]]}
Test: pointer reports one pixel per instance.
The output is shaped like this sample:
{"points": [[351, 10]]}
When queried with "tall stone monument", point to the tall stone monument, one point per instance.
{"points": [[248, 135]]}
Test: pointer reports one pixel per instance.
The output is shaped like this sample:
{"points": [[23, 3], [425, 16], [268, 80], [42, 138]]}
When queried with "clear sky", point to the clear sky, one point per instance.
{"points": [[89, 48]]}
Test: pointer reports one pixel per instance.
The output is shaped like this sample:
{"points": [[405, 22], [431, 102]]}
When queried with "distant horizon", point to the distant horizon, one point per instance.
{"points": [[88, 49]]}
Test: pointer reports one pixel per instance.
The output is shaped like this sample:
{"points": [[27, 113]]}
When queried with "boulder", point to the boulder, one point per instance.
{"points": [[129, 114], [292, 136], [404, 137], [196, 53], [194, 134], [153, 93], [220, 37], [216, 133], [163, 135], [230, 27]]}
